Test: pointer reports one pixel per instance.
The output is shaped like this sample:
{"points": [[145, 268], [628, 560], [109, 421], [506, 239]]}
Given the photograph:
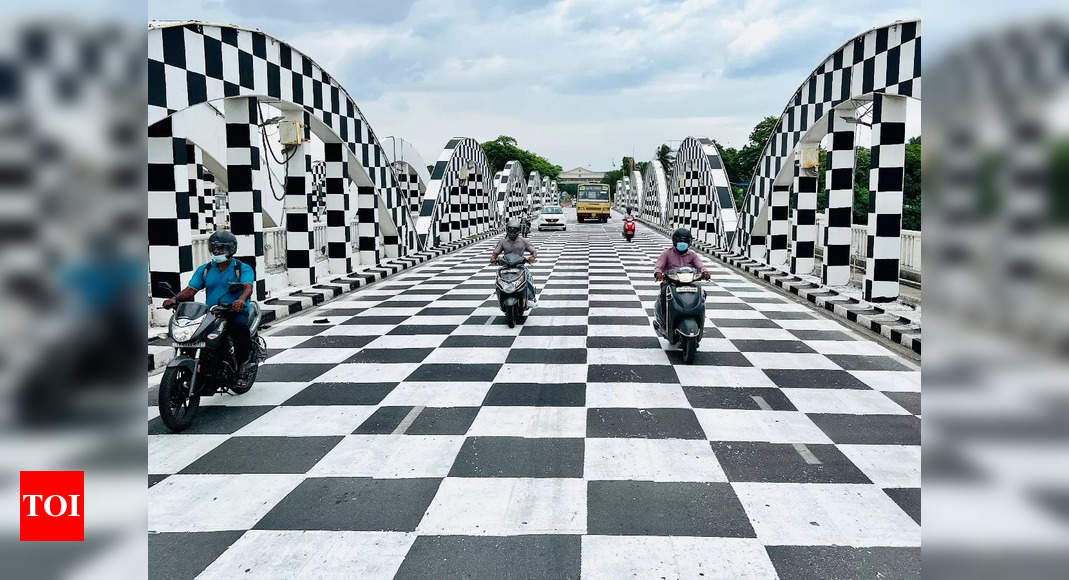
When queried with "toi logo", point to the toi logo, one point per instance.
{"points": [[51, 506]]}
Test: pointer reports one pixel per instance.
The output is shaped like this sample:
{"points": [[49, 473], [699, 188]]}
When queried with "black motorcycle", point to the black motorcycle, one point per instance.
{"points": [[683, 315], [525, 226], [512, 287], [204, 363]]}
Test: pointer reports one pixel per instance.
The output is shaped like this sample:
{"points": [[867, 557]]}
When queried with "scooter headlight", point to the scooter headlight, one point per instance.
{"points": [[685, 277], [183, 329], [510, 287]]}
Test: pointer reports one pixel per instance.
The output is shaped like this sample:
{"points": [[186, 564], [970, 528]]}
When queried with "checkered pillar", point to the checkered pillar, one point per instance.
{"points": [[195, 189], [300, 236], [242, 163], [804, 231], [778, 225], [339, 245], [886, 177], [170, 240], [839, 217], [367, 227], [207, 209]]}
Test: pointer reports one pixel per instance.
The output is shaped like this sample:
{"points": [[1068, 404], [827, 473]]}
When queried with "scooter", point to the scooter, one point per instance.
{"points": [[525, 226], [204, 363], [629, 228], [683, 317], [512, 288]]}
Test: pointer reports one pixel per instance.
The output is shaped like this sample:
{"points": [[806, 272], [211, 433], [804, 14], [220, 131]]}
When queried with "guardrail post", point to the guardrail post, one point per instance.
{"points": [[339, 246], [839, 179], [300, 237], [884, 240], [777, 225], [170, 238], [804, 230]]}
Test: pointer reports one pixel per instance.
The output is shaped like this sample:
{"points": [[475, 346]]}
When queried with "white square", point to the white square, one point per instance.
{"points": [[651, 460], [468, 356], [848, 401], [733, 333], [722, 376], [507, 506], [312, 554], [615, 557], [390, 456], [440, 394], [312, 355], [806, 324], [486, 330], [358, 330], [845, 514], [859, 347], [636, 395], [172, 453], [530, 422], [361, 372], [887, 465], [790, 360], [541, 373], [556, 320], [261, 394], [627, 356], [408, 341], [768, 426], [281, 342], [308, 420], [619, 330], [191, 503], [891, 381], [547, 342]]}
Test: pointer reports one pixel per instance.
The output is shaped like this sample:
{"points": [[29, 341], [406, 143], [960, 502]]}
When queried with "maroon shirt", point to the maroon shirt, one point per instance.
{"points": [[671, 259]]}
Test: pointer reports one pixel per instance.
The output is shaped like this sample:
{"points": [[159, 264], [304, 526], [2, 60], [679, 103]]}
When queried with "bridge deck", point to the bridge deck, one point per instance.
{"points": [[414, 434]]}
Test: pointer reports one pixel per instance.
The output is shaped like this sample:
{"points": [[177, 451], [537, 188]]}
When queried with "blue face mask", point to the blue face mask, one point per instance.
{"points": [[219, 258], [682, 246]]}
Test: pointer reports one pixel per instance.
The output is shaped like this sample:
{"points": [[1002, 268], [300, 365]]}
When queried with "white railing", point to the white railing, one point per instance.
{"points": [[319, 230], [275, 249], [201, 254], [911, 245]]}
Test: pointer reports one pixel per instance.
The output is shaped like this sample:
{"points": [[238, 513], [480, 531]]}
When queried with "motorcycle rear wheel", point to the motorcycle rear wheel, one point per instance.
{"points": [[175, 413]]}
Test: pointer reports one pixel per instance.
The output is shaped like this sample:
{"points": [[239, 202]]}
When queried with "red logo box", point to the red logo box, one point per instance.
{"points": [[51, 506]]}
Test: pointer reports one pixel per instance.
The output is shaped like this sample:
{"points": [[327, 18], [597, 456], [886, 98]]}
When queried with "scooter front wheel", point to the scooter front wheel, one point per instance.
{"points": [[690, 346], [177, 407], [510, 317]]}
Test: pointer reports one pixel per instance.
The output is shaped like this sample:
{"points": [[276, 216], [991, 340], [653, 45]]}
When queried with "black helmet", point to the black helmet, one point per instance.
{"points": [[224, 240], [512, 230], [682, 235]]}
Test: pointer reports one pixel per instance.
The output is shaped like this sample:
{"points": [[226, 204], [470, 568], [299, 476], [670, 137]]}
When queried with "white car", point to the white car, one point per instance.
{"points": [[552, 217]]}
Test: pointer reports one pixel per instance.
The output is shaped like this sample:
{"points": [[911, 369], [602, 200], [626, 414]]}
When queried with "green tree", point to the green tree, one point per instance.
{"points": [[911, 199], [666, 157], [504, 149]]}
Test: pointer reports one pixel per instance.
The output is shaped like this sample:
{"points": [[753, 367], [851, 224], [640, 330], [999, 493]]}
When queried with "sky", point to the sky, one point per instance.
{"points": [[581, 82]]}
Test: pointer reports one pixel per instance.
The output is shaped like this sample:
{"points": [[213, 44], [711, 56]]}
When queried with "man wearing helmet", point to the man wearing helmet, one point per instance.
{"points": [[514, 244], [215, 278], [678, 256]]}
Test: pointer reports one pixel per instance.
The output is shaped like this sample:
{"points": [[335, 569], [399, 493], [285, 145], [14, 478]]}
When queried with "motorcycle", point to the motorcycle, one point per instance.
{"points": [[512, 288], [629, 228], [204, 363], [683, 316], [525, 226]]}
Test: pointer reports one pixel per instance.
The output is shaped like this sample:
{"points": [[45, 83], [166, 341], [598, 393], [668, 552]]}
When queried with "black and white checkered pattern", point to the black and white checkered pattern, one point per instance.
{"points": [[412, 187], [885, 60], [318, 201], [886, 179], [804, 228], [699, 195], [191, 63], [413, 434], [458, 202], [169, 233], [654, 207], [535, 193], [512, 200], [300, 237], [195, 169], [242, 163], [839, 217]]}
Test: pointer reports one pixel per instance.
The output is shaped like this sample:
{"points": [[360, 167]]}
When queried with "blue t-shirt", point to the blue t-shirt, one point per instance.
{"points": [[217, 282]]}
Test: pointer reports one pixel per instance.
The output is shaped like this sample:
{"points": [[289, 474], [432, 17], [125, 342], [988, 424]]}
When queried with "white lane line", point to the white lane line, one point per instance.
{"points": [[806, 454], [408, 420], [761, 402]]}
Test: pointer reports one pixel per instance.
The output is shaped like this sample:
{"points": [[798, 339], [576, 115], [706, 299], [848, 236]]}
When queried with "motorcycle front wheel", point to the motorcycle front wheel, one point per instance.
{"points": [[690, 346], [175, 412]]}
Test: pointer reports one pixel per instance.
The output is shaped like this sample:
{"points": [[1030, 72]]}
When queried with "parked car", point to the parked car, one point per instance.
{"points": [[551, 217]]}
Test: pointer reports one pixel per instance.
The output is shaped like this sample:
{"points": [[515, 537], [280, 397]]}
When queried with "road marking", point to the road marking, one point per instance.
{"points": [[761, 402], [408, 420], [806, 454]]}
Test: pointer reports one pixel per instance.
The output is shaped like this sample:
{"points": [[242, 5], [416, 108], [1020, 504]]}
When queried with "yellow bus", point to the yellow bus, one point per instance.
{"points": [[592, 202]]}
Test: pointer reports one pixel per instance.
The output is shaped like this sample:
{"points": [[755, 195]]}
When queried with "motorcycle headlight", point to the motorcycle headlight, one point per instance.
{"points": [[511, 287], [685, 277], [183, 329]]}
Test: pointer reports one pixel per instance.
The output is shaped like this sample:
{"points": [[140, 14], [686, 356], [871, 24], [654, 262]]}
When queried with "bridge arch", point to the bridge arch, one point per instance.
{"points": [[535, 191], [699, 193], [457, 203], [512, 201], [883, 67], [194, 64], [655, 193]]}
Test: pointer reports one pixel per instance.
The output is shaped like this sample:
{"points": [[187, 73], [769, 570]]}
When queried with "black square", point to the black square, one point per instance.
{"points": [[869, 429], [857, 362], [908, 401], [341, 394], [291, 372], [622, 342], [519, 457], [793, 346], [390, 355], [643, 423], [909, 499], [335, 340], [384, 420], [814, 379], [264, 455], [737, 398], [645, 508], [186, 554], [724, 359], [781, 463], [536, 395], [443, 421], [214, 419], [413, 329], [298, 330], [353, 503], [803, 562], [474, 341], [617, 373], [534, 557], [547, 355], [455, 372]]}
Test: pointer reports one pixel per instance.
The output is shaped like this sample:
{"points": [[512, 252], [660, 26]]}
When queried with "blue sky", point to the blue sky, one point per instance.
{"points": [[582, 82]]}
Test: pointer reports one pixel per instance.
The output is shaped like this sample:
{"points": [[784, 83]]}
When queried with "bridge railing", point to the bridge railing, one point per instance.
{"points": [[911, 246]]}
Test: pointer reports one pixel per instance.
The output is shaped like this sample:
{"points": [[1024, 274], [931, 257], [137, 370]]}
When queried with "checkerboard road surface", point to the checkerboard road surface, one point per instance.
{"points": [[405, 431]]}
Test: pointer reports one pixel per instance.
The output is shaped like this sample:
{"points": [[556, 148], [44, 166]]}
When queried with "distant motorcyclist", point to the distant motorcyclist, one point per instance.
{"points": [[216, 277], [513, 243]]}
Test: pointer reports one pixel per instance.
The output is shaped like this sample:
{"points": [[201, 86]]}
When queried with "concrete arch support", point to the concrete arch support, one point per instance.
{"points": [[655, 193], [457, 203]]}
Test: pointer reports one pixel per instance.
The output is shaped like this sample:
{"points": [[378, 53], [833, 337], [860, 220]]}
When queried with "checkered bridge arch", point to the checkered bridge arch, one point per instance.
{"points": [[882, 65], [654, 206], [511, 192], [534, 191], [457, 203], [699, 194]]}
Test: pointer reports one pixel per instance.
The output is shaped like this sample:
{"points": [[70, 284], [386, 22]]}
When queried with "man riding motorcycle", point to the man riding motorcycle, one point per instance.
{"points": [[678, 256], [215, 277], [514, 244]]}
